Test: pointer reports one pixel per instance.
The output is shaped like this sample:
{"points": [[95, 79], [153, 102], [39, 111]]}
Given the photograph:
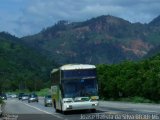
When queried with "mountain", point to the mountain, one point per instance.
{"points": [[20, 66], [104, 39], [153, 52], [155, 22]]}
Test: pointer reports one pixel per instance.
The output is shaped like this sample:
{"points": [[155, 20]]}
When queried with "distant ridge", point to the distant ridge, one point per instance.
{"points": [[104, 39]]}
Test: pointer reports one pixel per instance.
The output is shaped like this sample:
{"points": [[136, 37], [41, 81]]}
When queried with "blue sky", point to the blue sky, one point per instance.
{"points": [[27, 17]]}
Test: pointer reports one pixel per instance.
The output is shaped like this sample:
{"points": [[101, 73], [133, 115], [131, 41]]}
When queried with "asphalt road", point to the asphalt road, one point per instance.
{"points": [[23, 110]]}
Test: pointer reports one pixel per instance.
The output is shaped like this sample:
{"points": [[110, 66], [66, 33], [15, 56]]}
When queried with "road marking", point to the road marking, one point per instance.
{"points": [[43, 111], [112, 112], [148, 111]]}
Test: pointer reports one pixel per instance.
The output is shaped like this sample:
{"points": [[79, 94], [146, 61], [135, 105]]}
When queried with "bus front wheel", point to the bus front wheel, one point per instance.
{"points": [[56, 110], [93, 110]]}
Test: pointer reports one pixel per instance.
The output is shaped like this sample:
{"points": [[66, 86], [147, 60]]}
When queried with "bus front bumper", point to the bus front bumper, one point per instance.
{"points": [[80, 105]]}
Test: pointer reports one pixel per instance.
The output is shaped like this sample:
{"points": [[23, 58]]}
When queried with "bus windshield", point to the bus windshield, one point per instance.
{"points": [[79, 88], [78, 73]]}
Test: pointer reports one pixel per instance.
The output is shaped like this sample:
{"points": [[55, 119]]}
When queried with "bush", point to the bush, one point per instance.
{"points": [[43, 92], [140, 100]]}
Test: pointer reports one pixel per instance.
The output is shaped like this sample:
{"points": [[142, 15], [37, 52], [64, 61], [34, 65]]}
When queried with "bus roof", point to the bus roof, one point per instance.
{"points": [[54, 70], [77, 66]]}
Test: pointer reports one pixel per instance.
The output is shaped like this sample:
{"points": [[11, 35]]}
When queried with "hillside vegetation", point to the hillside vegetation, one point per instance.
{"points": [[21, 67], [104, 39]]}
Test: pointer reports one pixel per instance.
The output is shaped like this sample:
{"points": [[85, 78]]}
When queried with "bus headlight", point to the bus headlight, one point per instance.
{"points": [[95, 104], [69, 106]]}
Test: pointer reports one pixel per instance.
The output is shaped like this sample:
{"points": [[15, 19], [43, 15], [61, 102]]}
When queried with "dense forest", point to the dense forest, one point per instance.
{"points": [[131, 79]]}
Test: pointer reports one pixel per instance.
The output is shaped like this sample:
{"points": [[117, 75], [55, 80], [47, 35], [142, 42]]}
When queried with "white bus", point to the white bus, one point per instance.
{"points": [[74, 87]]}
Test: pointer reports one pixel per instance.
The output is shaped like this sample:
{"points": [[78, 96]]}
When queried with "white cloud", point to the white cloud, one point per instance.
{"points": [[30, 16]]}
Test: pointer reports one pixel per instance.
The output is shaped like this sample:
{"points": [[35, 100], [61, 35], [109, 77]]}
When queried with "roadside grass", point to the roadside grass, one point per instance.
{"points": [[135, 99], [43, 92]]}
